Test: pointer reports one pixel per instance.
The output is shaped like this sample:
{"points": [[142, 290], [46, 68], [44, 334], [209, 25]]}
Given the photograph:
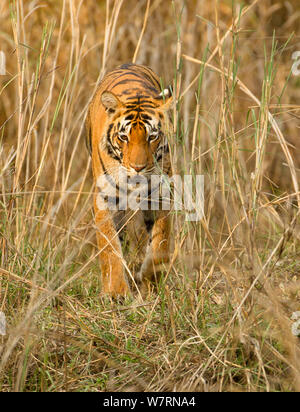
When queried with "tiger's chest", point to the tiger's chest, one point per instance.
{"points": [[121, 192]]}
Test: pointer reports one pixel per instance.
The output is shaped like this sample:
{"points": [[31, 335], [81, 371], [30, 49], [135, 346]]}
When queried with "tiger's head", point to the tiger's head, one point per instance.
{"points": [[136, 133]]}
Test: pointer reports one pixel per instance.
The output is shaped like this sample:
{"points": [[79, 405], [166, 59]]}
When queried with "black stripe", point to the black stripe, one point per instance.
{"points": [[111, 149], [130, 117], [144, 83], [144, 76], [112, 200], [146, 71], [138, 96], [145, 117], [149, 221], [109, 177]]}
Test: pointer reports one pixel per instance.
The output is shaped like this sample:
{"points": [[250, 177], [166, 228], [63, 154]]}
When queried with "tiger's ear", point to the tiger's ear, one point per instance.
{"points": [[110, 101], [167, 98]]}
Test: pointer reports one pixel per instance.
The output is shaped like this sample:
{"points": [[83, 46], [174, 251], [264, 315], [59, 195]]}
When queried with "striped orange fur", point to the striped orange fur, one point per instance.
{"points": [[127, 130]]}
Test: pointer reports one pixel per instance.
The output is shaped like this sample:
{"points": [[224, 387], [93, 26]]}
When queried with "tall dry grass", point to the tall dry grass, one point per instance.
{"points": [[221, 317]]}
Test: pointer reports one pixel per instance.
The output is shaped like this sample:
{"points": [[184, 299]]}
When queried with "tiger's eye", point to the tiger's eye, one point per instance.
{"points": [[153, 137], [123, 137]]}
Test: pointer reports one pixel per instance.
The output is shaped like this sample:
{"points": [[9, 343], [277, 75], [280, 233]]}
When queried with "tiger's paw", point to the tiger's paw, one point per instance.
{"points": [[115, 287]]}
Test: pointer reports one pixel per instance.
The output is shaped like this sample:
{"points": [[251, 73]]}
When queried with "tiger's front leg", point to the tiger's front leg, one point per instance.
{"points": [[158, 249], [113, 275]]}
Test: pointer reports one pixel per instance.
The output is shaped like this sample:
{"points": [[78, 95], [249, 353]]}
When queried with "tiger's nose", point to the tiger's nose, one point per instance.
{"points": [[138, 168]]}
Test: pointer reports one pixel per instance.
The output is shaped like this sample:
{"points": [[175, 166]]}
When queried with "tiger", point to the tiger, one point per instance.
{"points": [[128, 123]]}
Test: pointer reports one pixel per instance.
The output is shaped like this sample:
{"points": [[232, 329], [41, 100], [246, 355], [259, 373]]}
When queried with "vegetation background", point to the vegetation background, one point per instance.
{"points": [[223, 317]]}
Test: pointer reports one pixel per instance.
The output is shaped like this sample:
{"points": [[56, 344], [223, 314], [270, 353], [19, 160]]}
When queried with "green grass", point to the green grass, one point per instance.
{"points": [[220, 318]]}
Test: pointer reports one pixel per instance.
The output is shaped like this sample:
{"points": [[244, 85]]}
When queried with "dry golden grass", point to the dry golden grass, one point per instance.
{"points": [[221, 317]]}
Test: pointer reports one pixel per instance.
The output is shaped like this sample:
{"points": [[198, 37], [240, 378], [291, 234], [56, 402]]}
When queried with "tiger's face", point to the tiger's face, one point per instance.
{"points": [[136, 135]]}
